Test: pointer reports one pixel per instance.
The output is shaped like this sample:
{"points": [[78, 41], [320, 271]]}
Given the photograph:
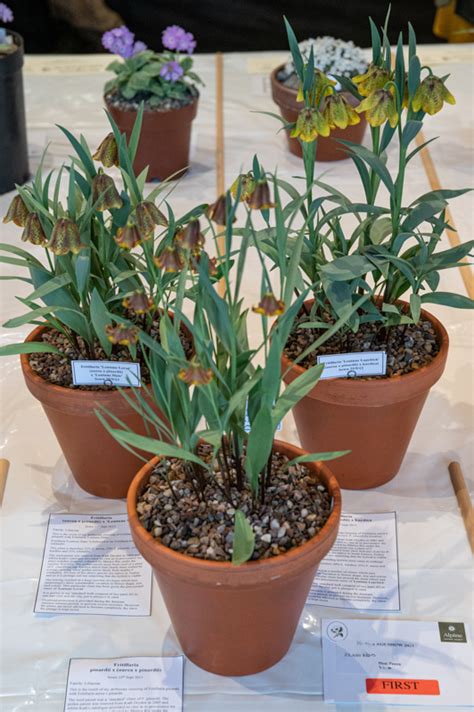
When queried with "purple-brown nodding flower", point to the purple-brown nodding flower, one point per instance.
{"points": [[17, 212], [171, 260], [195, 374], [217, 211], [33, 231], [65, 238], [104, 193], [122, 334], [269, 305], [260, 198], [147, 216], [107, 152], [139, 303], [190, 237], [211, 263], [128, 237]]}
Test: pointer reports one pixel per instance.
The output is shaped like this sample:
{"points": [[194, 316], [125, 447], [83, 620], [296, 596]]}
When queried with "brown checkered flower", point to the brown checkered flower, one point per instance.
{"points": [[128, 237], [33, 231], [269, 305], [138, 302], [17, 212], [107, 152], [217, 211], [147, 216], [195, 374], [190, 237], [171, 259], [122, 334], [104, 193], [65, 238], [260, 198]]}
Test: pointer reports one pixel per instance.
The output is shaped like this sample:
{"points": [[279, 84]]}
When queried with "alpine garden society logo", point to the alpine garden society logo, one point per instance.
{"points": [[452, 632]]}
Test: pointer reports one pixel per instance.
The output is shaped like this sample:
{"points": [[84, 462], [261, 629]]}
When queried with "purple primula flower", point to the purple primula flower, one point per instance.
{"points": [[6, 15], [139, 46], [120, 41], [171, 71], [177, 39]]}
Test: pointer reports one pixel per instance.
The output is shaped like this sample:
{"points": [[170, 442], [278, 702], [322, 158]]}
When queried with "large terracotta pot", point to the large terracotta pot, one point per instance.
{"points": [[374, 419], [235, 620], [164, 140], [99, 464], [327, 149]]}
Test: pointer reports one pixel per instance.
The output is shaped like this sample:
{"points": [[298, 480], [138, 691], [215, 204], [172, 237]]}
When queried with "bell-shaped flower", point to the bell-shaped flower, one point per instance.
{"points": [[379, 107], [260, 198], [147, 216], [309, 125], [139, 303], [339, 113], [171, 260], [374, 78], [122, 334], [195, 375], [269, 305], [33, 231], [245, 182], [430, 95], [107, 152], [217, 211], [190, 237], [65, 238], [104, 193], [128, 237], [17, 212]]}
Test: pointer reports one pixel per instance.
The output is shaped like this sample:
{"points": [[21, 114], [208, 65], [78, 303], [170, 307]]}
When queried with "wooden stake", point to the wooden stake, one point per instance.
{"points": [[220, 178], [4, 466], [464, 500], [453, 236]]}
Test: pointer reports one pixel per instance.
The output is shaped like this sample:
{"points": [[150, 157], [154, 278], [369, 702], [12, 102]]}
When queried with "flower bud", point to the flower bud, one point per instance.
{"points": [[171, 260], [122, 334], [65, 238], [430, 96], [128, 237], [190, 237], [147, 216], [104, 193], [195, 374], [260, 198], [107, 152], [269, 305], [138, 302], [17, 212], [33, 231]]}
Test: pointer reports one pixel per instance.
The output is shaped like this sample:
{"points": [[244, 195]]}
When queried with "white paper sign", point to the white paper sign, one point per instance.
{"points": [[106, 373], [354, 365], [125, 685], [397, 662], [361, 570], [91, 566]]}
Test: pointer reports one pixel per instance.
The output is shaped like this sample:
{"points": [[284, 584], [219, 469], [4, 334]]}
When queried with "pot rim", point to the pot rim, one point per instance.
{"points": [[288, 90], [166, 112], [14, 61], [353, 385], [248, 569]]}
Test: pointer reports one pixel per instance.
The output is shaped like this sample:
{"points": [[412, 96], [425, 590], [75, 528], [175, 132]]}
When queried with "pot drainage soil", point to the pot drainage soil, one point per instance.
{"points": [[296, 507]]}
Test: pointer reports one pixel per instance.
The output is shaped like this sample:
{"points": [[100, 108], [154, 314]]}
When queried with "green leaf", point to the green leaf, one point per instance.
{"points": [[410, 131], [414, 69], [415, 307], [295, 51], [155, 447], [375, 41], [50, 286], [135, 135], [259, 445], [295, 391], [448, 299], [32, 347], [100, 319], [380, 229], [318, 457], [244, 539], [82, 268], [374, 162], [347, 267]]}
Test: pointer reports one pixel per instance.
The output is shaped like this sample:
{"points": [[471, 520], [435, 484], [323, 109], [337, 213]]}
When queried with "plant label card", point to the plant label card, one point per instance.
{"points": [[106, 373], [142, 684], [361, 570], [91, 566], [353, 365], [397, 662]]}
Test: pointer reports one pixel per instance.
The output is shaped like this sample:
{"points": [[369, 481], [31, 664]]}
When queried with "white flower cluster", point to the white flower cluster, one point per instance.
{"points": [[332, 56]]}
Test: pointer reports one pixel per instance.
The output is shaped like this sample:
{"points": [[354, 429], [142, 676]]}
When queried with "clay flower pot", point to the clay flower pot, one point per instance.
{"points": [[99, 464], [327, 149], [375, 419], [235, 620], [164, 140], [13, 146]]}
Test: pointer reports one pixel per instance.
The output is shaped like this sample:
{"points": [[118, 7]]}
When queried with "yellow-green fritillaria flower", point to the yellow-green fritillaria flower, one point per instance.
{"points": [[430, 96], [374, 78], [65, 238], [17, 212], [309, 125], [246, 183], [339, 113], [379, 107], [322, 86]]}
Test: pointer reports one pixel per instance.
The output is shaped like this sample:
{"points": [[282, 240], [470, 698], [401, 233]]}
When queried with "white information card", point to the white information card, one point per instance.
{"points": [[397, 662], [106, 373], [353, 365], [91, 566], [125, 685], [361, 570]]}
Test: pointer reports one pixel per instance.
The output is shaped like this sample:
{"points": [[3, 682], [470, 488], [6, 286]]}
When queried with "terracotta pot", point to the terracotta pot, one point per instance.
{"points": [[164, 140], [13, 145], [327, 149], [99, 464], [375, 419], [235, 620]]}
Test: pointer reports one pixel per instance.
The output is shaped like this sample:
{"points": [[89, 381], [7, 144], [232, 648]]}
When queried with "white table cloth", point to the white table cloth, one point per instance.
{"points": [[435, 559]]}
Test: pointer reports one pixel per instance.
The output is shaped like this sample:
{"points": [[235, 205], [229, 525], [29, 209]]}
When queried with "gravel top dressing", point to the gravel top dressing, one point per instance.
{"points": [[57, 369], [296, 507], [408, 346], [167, 104]]}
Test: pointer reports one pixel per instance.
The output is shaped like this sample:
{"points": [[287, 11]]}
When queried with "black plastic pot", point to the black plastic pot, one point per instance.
{"points": [[13, 146]]}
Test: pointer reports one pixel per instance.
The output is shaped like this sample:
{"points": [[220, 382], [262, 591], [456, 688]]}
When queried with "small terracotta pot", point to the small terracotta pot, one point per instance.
{"points": [[236, 620], [99, 464], [165, 139], [375, 419], [327, 149]]}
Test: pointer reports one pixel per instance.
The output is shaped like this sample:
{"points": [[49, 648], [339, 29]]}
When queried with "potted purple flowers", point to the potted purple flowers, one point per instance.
{"points": [[166, 85], [13, 147]]}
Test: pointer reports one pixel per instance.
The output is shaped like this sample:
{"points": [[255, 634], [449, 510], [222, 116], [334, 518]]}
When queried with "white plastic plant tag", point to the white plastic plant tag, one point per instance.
{"points": [[247, 426], [106, 373], [354, 365]]}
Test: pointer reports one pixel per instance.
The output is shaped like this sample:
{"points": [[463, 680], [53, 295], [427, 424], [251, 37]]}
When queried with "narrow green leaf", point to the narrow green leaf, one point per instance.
{"points": [[448, 299], [244, 539], [100, 319], [32, 347], [318, 457]]}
